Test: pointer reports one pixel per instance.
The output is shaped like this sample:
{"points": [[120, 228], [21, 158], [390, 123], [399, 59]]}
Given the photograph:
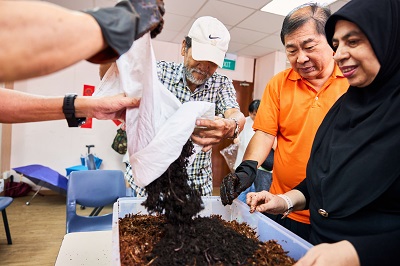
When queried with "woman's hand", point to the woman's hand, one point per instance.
{"points": [[266, 202], [341, 253]]}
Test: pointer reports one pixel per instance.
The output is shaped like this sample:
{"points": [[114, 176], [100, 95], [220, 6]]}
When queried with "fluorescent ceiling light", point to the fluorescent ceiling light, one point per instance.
{"points": [[283, 7]]}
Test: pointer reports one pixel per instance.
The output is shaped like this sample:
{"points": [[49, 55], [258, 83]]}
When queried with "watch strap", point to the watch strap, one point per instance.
{"points": [[69, 111], [237, 129]]}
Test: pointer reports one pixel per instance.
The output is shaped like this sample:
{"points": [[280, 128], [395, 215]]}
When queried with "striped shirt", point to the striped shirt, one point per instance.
{"points": [[217, 89]]}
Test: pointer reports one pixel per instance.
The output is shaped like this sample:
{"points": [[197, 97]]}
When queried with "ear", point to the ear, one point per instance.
{"points": [[183, 48]]}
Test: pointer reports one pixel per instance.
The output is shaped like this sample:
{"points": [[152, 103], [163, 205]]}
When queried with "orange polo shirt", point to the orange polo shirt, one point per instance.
{"points": [[292, 110]]}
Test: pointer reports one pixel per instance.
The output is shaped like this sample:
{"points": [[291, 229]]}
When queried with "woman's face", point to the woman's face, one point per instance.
{"points": [[354, 54]]}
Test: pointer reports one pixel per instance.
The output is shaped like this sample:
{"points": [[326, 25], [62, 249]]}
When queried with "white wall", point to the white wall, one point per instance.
{"points": [[266, 67], [57, 146]]}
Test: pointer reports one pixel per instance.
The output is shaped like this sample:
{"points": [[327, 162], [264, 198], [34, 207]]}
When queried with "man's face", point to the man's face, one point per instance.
{"points": [[308, 52], [354, 54], [253, 115], [196, 72]]}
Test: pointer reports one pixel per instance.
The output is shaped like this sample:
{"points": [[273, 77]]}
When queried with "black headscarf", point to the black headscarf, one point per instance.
{"points": [[356, 151]]}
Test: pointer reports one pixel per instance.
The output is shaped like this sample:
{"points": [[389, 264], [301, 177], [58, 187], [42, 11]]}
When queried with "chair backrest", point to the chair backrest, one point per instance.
{"points": [[93, 188]]}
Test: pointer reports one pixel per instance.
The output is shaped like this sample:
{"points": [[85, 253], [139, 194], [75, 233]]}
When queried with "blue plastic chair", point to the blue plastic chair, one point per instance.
{"points": [[93, 189], [4, 203]]}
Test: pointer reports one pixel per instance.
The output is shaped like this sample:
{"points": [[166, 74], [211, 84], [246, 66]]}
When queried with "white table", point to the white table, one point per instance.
{"points": [[86, 248]]}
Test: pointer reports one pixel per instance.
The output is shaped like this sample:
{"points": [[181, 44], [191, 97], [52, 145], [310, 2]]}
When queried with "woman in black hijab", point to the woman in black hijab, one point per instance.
{"points": [[352, 188]]}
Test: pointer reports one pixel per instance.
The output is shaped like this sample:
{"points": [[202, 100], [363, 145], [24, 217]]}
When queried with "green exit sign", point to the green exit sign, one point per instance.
{"points": [[229, 64]]}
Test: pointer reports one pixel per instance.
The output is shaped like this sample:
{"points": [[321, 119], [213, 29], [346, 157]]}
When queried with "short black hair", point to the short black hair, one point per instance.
{"points": [[253, 107], [295, 19], [188, 41]]}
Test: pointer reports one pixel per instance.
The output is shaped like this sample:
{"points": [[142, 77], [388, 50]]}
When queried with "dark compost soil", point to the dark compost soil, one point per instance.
{"points": [[175, 235]]}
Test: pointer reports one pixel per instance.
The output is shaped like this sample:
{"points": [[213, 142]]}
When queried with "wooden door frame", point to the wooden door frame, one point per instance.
{"points": [[5, 144]]}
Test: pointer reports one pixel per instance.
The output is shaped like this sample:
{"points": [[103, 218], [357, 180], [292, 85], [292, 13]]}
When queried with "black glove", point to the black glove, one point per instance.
{"points": [[123, 24], [160, 25], [235, 183], [151, 14]]}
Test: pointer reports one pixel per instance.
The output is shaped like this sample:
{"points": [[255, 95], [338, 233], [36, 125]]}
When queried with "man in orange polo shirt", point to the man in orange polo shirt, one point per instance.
{"points": [[293, 106]]}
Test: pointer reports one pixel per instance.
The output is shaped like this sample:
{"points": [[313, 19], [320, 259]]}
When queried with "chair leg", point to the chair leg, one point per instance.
{"points": [[96, 211], [8, 234]]}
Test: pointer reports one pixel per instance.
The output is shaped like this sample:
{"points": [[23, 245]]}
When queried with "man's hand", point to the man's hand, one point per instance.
{"points": [[235, 183], [123, 24], [151, 14], [210, 132], [160, 25], [104, 108]]}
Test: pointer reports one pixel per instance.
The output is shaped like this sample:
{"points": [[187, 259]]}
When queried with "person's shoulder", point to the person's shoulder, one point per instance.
{"points": [[169, 68], [220, 77], [165, 64], [286, 74]]}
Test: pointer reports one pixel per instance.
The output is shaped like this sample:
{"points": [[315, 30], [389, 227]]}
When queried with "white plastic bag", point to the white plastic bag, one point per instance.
{"points": [[160, 127], [230, 153]]}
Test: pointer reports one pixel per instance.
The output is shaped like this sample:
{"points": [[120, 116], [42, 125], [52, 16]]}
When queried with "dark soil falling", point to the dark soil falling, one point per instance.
{"points": [[174, 235], [171, 193]]}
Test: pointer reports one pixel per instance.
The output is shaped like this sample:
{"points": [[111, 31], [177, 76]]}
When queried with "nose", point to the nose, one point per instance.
{"points": [[302, 57], [340, 54], [207, 66]]}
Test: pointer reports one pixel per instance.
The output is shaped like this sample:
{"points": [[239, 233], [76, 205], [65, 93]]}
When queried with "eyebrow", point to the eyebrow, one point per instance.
{"points": [[302, 43], [348, 35]]}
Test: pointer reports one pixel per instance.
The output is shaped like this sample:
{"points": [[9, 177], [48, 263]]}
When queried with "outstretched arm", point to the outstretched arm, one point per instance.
{"points": [[18, 107], [38, 38]]}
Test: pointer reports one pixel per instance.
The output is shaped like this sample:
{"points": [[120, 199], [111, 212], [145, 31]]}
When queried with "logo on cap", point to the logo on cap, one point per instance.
{"points": [[212, 37]]}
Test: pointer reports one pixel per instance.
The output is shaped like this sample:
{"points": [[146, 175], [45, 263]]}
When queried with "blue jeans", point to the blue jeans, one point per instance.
{"points": [[262, 182]]}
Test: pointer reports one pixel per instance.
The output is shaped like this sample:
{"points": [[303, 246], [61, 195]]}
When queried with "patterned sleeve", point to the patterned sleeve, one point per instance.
{"points": [[226, 98]]}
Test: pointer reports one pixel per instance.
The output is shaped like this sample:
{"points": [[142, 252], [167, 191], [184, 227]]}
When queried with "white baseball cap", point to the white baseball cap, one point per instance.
{"points": [[210, 40]]}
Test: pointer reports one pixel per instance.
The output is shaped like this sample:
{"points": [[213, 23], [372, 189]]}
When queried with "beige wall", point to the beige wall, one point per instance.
{"points": [[266, 67]]}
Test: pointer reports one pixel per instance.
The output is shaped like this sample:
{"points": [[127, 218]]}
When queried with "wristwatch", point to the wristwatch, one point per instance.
{"points": [[237, 129], [69, 111]]}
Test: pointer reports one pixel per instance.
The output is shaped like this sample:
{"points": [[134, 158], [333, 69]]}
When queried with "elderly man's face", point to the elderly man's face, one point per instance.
{"points": [[308, 52], [197, 72]]}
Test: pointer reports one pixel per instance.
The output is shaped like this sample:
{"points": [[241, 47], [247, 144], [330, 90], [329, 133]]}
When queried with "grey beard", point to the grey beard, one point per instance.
{"points": [[188, 74]]}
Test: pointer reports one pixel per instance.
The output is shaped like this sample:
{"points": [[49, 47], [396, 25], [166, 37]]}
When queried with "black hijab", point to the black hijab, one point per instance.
{"points": [[356, 151]]}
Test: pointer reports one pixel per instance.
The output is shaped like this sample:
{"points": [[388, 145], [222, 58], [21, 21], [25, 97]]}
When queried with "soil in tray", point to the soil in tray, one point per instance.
{"points": [[179, 237], [151, 240]]}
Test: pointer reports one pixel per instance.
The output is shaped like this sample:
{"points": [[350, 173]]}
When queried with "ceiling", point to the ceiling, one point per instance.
{"points": [[253, 33]]}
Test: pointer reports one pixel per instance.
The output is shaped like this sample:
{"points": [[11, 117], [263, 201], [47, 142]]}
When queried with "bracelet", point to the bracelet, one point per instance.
{"points": [[237, 129], [289, 204]]}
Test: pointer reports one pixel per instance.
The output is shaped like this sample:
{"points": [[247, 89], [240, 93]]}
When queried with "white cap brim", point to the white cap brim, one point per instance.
{"points": [[207, 52]]}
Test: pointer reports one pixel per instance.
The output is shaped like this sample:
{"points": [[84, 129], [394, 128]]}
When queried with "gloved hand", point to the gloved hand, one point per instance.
{"points": [[123, 24], [158, 29], [235, 183], [151, 14]]}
